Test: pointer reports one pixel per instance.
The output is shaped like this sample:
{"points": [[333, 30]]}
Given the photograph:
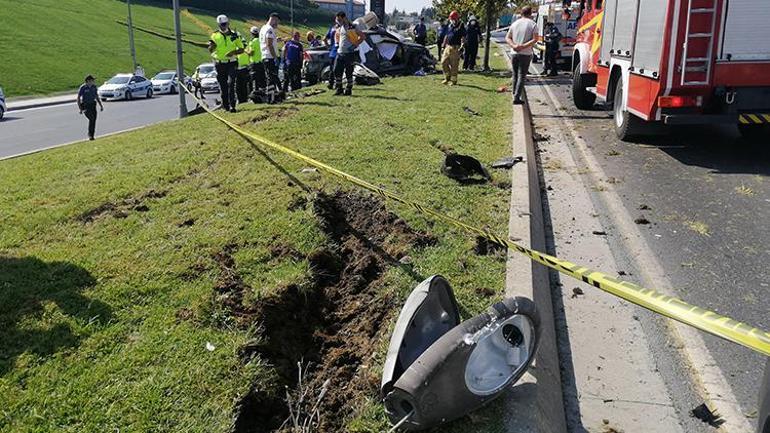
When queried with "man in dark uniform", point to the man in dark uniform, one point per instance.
{"points": [[87, 100], [442, 29], [420, 32], [552, 38], [472, 38]]}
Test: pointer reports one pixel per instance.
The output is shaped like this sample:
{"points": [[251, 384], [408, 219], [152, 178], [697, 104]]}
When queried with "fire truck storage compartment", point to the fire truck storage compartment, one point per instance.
{"points": [[649, 37], [623, 35], [745, 25]]}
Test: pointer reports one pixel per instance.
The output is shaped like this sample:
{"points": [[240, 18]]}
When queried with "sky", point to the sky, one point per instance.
{"points": [[409, 5]]}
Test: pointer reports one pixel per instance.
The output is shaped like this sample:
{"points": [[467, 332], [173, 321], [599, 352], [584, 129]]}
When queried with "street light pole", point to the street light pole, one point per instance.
{"points": [[179, 64], [131, 35]]}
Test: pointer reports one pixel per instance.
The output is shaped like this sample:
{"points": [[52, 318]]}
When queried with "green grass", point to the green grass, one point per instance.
{"points": [[92, 339], [50, 45]]}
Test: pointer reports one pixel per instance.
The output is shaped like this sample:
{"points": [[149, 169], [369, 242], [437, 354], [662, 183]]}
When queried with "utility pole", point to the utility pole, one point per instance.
{"points": [[131, 35], [179, 64]]}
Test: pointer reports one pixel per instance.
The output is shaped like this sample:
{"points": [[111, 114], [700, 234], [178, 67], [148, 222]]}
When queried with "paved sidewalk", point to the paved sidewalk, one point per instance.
{"points": [[24, 103]]}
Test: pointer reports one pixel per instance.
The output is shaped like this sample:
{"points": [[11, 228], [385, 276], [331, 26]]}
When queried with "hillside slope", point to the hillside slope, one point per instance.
{"points": [[49, 45]]}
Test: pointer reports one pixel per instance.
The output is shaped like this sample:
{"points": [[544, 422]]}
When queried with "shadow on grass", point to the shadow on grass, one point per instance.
{"points": [[28, 286]]}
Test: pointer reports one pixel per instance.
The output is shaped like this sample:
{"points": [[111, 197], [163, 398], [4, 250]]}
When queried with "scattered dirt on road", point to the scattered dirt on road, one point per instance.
{"points": [[642, 221], [333, 323], [121, 209]]}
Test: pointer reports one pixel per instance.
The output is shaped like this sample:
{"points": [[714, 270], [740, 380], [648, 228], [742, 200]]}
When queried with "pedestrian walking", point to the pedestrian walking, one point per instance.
{"points": [[268, 43], [224, 46], [196, 84], [348, 38], [552, 39], [521, 36], [453, 44], [87, 100], [242, 76], [420, 32], [440, 34], [331, 41], [292, 61], [472, 39], [256, 68]]}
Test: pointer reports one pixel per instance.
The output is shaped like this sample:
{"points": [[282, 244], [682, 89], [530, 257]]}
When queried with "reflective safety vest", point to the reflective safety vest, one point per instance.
{"points": [[225, 44], [243, 58], [256, 51]]}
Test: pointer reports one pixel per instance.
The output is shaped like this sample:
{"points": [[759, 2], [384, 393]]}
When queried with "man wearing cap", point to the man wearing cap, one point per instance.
{"points": [[453, 43], [268, 43], [225, 45], [87, 100]]}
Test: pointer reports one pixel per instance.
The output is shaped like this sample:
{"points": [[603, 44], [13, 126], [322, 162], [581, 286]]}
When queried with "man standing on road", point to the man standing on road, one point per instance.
{"points": [[292, 61], [453, 43], [440, 34], [268, 43], [348, 39], [331, 41], [224, 46], [87, 100], [521, 37], [551, 38], [420, 32]]}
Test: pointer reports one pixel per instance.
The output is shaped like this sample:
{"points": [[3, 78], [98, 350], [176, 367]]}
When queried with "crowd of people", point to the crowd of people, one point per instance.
{"points": [[245, 67]]}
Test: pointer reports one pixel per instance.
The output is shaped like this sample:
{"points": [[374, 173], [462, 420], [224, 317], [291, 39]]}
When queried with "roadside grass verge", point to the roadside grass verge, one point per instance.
{"points": [[138, 272], [54, 44]]}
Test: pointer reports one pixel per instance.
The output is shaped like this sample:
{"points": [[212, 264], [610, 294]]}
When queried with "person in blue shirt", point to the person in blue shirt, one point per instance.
{"points": [[442, 29], [331, 41], [420, 32], [292, 63]]}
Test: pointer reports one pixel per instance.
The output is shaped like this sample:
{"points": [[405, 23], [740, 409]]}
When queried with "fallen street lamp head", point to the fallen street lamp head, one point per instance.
{"points": [[438, 369]]}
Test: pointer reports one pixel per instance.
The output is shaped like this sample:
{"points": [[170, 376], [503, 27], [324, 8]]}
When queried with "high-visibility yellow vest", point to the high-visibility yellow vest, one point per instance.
{"points": [[256, 51], [225, 44], [243, 58]]}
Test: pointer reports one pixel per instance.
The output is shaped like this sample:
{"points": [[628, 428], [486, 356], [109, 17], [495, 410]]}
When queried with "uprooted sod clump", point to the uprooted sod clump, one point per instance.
{"points": [[332, 325]]}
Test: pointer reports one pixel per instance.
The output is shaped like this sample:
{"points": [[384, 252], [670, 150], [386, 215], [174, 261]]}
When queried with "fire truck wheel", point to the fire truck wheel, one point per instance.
{"points": [[584, 99], [627, 125], [754, 132]]}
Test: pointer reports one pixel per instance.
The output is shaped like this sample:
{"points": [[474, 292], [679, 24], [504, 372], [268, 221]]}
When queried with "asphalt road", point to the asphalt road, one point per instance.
{"points": [[706, 194], [35, 129]]}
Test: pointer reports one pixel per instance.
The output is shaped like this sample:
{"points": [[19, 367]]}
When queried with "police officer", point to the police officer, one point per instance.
{"points": [[420, 32], [256, 68], [552, 38], [453, 43], [472, 38], [87, 100], [242, 77], [224, 46]]}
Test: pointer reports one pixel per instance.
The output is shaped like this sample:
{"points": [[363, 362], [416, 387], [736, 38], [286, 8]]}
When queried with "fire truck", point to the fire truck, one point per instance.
{"points": [[676, 62]]}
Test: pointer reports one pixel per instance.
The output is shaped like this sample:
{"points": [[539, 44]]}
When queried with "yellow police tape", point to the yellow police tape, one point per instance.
{"points": [[655, 301]]}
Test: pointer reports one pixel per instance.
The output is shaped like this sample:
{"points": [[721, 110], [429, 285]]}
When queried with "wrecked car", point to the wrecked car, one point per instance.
{"points": [[385, 53]]}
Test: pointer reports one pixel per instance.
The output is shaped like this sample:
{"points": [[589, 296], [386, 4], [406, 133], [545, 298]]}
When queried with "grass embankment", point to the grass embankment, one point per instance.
{"points": [[50, 45], [146, 278]]}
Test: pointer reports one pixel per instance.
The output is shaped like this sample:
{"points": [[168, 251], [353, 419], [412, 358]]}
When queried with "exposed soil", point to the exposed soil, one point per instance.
{"points": [[484, 247], [121, 209], [272, 114], [333, 324]]}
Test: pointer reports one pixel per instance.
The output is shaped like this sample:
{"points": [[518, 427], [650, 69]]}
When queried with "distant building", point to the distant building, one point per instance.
{"points": [[359, 6]]}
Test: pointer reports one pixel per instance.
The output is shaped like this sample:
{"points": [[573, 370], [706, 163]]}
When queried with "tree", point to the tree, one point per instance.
{"points": [[486, 11]]}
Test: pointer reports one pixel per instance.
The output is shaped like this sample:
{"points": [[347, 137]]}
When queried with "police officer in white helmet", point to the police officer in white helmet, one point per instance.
{"points": [[224, 45]]}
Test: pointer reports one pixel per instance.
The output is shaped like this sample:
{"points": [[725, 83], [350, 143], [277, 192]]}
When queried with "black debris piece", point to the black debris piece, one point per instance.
{"points": [[577, 291], [463, 168], [708, 416], [471, 111], [507, 162]]}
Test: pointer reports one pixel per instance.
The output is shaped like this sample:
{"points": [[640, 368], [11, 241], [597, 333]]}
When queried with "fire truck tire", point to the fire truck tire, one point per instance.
{"points": [[584, 99], [754, 132], [627, 125]]}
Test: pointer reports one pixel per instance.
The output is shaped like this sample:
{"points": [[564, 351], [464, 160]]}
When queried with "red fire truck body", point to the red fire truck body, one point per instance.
{"points": [[675, 61]]}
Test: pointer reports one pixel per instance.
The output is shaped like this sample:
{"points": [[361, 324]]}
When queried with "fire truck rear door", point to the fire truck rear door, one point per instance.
{"points": [[745, 27]]}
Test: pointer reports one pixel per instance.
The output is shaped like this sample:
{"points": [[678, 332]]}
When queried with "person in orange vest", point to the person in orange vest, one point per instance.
{"points": [[225, 45]]}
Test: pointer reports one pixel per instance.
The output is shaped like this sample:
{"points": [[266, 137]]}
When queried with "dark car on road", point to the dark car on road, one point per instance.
{"points": [[390, 55]]}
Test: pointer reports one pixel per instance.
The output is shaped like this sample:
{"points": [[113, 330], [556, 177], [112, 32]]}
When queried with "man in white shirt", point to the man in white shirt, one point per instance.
{"points": [[521, 36], [268, 44]]}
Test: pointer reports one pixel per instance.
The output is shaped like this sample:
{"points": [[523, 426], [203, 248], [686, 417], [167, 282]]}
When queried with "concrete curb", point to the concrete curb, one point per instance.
{"points": [[536, 403], [40, 102]]}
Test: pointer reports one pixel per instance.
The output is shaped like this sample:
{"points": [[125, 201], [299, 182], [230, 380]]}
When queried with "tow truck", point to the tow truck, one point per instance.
{"points": [[674, 61]]}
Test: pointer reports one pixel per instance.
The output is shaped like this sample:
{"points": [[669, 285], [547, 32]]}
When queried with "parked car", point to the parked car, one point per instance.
{"points": [[208, 76], [391, 54], [125, 86], [2, 104], [165, 82]]}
